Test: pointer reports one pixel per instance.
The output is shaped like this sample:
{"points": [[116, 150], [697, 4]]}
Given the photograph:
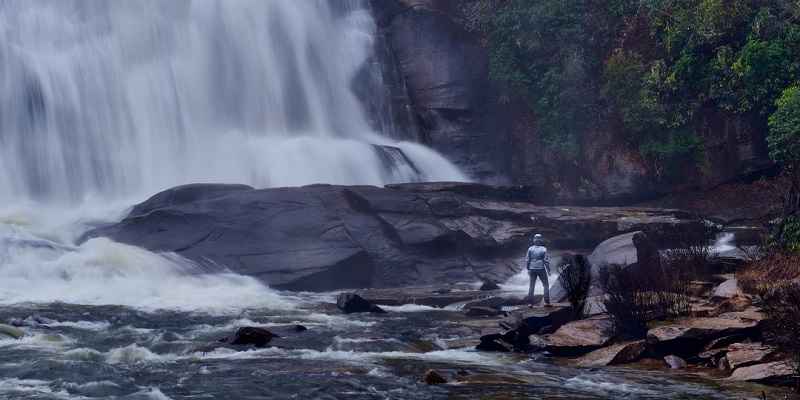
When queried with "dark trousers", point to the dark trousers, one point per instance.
{"points": [[540, 273]]}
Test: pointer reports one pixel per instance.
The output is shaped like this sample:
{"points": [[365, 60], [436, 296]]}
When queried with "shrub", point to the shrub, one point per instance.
{"points": [[626, 301], [634, 297], [784, 148], [782, 327], [575, 274], [690, 256]]}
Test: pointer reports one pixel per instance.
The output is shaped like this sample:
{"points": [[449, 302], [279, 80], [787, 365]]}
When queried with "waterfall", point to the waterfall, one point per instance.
{"points": [[120, 99]]}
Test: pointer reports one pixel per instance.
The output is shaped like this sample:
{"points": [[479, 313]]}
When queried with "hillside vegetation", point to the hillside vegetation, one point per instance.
{"points": [[650, 68]]}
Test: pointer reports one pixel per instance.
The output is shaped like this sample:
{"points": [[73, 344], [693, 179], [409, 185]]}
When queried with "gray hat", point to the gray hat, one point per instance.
{"points": [[538, 239]]}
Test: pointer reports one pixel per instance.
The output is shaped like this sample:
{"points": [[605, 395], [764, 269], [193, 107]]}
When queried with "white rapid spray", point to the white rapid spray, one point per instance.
{"points": [[103, 103]]}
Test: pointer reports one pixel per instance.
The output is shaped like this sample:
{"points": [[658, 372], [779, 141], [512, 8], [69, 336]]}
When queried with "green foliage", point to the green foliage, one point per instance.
{"points": [[784, 129], [649, 64], [539, 57], [784, 148]]}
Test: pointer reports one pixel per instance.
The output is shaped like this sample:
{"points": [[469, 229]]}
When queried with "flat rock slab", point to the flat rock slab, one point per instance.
{"points": [[689, 336], [579, 337], [744, 354], [617, 354], [769, 373]]}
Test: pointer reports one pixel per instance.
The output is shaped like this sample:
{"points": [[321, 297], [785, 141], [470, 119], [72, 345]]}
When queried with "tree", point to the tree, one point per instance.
{"points": [[784, 149]]}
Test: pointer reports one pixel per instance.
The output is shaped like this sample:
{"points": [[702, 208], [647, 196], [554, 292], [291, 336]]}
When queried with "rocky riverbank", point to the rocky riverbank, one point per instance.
{"points": [[722, 335]]}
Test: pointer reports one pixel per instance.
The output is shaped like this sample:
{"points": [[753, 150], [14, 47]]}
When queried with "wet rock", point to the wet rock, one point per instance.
{"points": [[538, 318], [31, 321], [690, 336], [777, 372], [432, 378], [745, 354], [676, 362], [250, 336], [482, 312], [494, 342], [351, 302], [489, 286], [579, 337], [726, 290], [11, 331], [617, 354]]}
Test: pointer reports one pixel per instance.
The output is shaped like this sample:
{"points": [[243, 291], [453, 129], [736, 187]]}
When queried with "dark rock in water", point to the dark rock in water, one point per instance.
{"points": [[676, 362], [494, 342], [327, 237], [432, 378], [250, 336], [489, 286], [481, 312], [351, 302], [32, 321], [540, 318]]}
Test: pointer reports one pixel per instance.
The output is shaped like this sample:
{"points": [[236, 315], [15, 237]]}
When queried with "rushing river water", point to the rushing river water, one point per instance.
{"points": [[94, 351]]}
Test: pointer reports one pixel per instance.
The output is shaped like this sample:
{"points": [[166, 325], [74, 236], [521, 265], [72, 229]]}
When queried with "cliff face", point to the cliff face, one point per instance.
{"points": [[444, 66]]}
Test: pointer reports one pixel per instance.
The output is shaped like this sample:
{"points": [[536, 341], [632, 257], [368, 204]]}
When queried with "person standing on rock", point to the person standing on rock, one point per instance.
{"points": [[538, 265]]}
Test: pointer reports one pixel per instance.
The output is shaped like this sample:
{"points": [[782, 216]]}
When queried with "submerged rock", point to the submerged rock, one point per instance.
{"points": [[676, 362], [353, 303], [432, 378], [250, 336]]}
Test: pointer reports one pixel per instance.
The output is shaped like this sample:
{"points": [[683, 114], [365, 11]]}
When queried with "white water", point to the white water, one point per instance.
{"points": [[105, 103]]}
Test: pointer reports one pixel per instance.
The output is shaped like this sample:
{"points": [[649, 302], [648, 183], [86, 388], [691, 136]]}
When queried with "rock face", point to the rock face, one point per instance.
{"points": [[630, 249], [445, 69], [444, 66], [324, 237]]}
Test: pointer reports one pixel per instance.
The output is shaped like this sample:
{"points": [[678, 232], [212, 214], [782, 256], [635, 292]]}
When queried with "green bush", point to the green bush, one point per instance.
{"points": [[652, 68], [784, 148]]}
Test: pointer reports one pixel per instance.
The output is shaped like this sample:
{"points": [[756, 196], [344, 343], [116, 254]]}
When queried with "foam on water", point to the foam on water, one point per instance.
{"points": [[105, 103]]}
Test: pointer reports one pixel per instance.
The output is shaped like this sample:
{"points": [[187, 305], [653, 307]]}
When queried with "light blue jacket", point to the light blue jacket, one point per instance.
{"points": [[537, 257]]}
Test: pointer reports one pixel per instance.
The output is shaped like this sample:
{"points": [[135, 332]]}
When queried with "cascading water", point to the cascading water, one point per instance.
{"points": [[130, 97], [104, 103]]}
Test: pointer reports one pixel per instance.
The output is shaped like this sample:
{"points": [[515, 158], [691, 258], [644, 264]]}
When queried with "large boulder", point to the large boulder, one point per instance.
{"points": [[328, 237], [631, 250], [579, 337], [688, 337], [776, 372]]}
